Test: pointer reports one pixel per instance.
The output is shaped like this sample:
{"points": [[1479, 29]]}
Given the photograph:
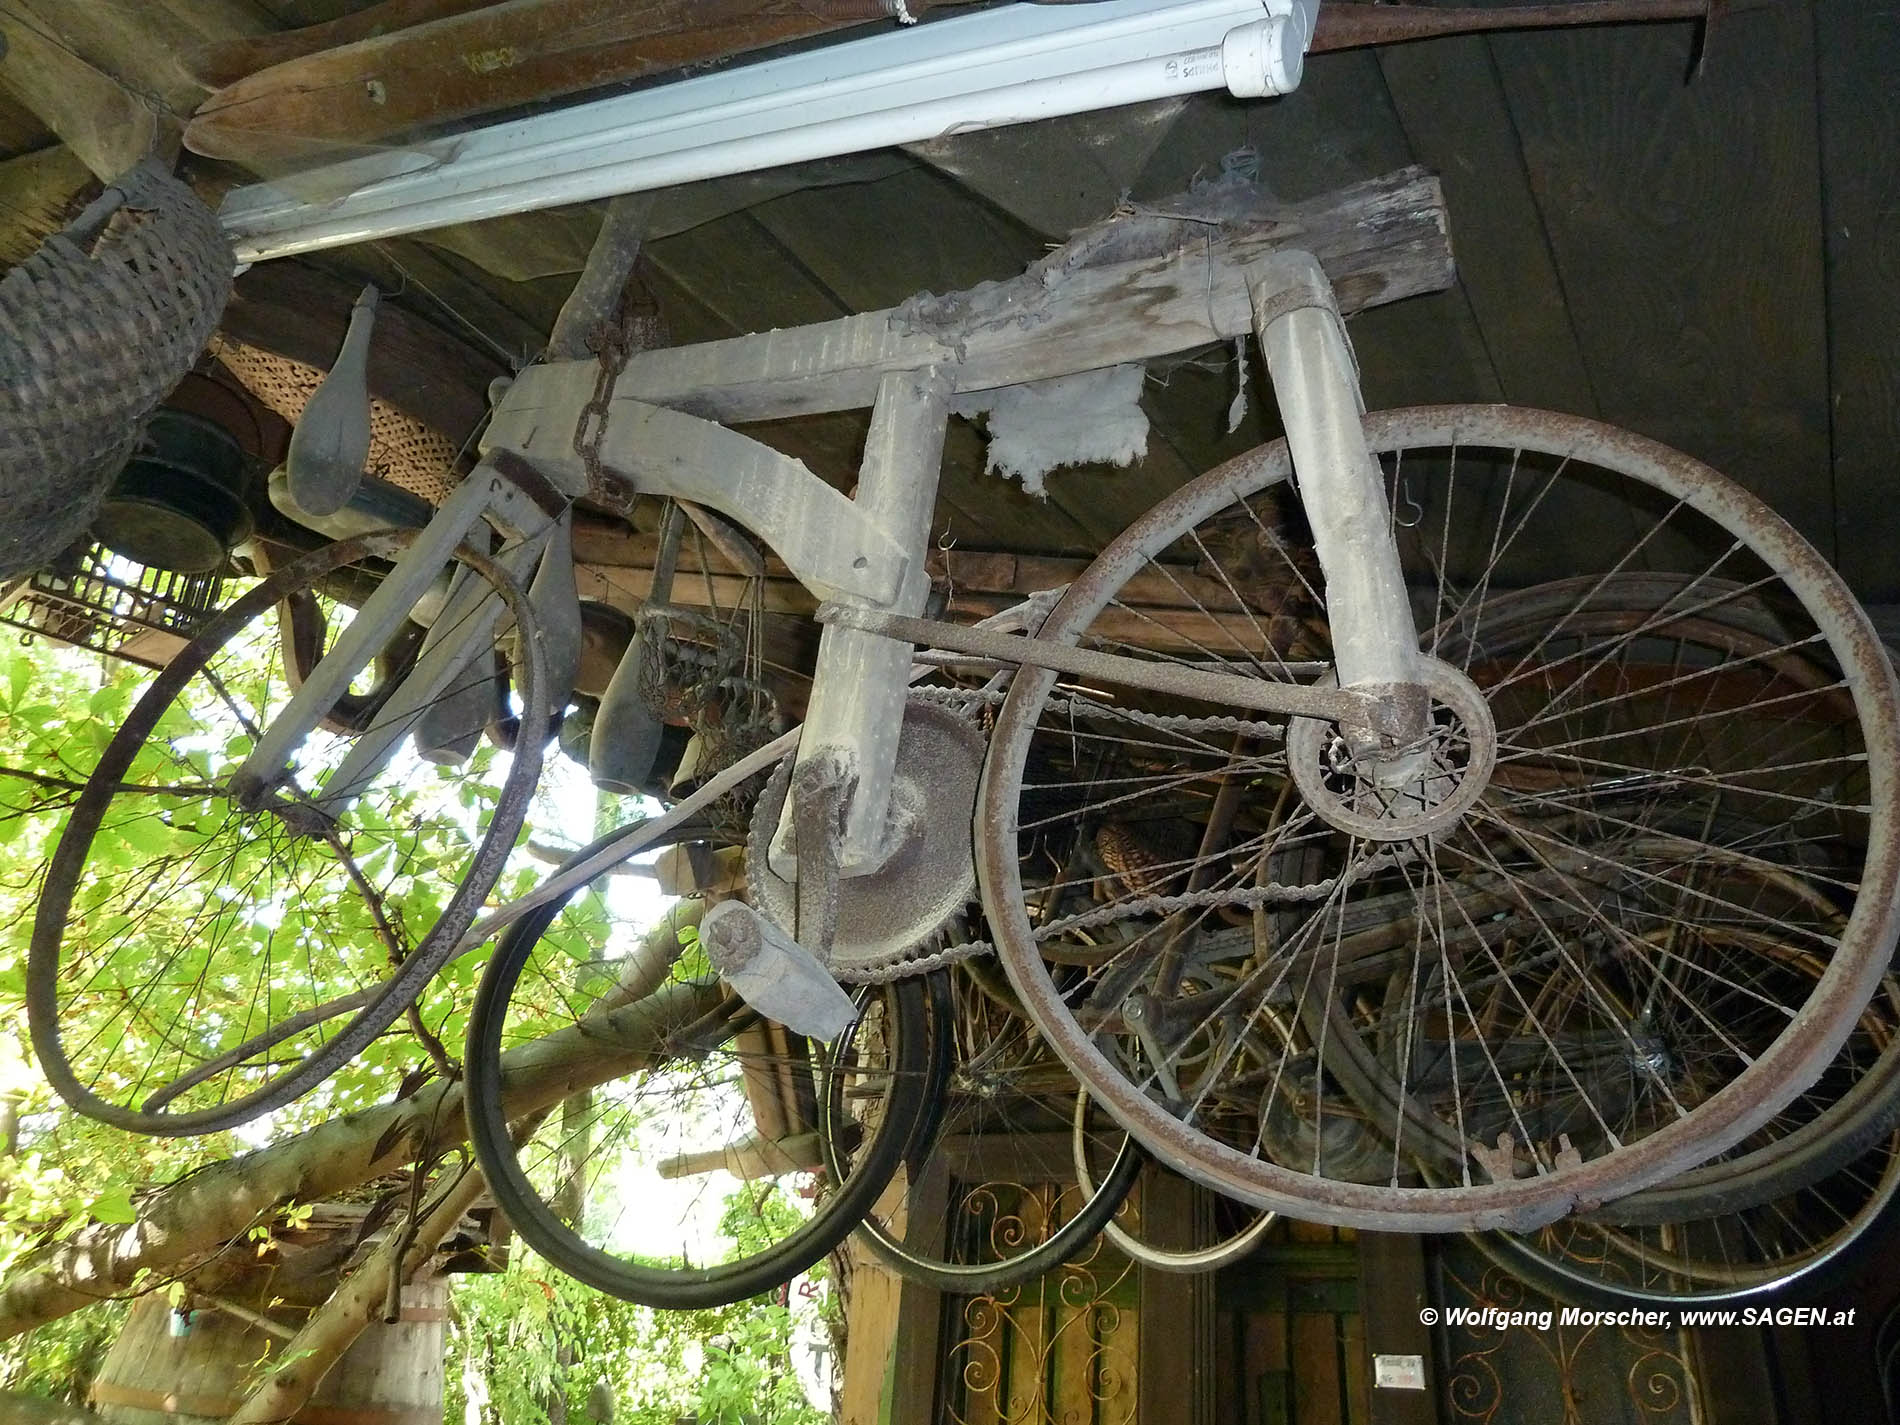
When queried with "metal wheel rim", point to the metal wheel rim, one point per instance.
{"points": [[1727, 1285], [428, 955], [1796, 1056], [1160, 1259]]}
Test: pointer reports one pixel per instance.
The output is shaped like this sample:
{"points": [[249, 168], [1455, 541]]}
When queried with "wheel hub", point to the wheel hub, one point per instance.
{"points": [[1441, 777]]}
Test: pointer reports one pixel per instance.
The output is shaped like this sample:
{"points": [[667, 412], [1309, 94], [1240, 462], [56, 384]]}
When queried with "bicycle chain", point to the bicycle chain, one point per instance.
{"points": [[900, 966], [905, 964], [1273, 893], [1088, 708]]}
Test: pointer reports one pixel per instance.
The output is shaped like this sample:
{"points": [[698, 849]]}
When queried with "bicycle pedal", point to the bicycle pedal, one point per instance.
{"points": [[773, 973]]}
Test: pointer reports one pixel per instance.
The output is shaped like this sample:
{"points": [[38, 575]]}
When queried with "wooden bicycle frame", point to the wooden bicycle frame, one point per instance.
{"points": [[1283, 279]]}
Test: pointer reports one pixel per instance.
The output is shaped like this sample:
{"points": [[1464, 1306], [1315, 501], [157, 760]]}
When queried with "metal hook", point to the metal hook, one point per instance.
{"points": [[1407, 504]]}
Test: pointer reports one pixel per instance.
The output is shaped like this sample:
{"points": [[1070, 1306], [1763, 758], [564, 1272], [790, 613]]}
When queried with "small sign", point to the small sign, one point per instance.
{"points": [[1398, 1372]]}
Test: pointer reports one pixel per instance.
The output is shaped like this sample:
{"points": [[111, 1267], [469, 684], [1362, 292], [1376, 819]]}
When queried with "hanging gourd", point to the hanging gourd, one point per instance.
{"points": [[330, 446]]}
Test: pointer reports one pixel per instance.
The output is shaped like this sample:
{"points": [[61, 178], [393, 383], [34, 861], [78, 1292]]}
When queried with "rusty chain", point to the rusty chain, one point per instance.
{"points": [[905, 963]]}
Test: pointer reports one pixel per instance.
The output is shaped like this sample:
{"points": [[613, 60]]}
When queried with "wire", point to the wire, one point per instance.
{"points": [[513, 358]]}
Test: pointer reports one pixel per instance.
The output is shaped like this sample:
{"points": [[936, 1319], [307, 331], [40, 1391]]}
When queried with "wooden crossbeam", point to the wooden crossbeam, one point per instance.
{"points": [[1169, 279]]}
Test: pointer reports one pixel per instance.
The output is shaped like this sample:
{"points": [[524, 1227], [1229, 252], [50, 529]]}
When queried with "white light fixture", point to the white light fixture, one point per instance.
{"points": [[977, 71]]}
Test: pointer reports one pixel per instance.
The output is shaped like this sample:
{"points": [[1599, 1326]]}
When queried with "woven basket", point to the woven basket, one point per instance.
{"points": [[94, 330]]}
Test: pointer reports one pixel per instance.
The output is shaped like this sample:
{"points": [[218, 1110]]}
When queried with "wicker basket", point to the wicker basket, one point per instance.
{"points": [[402, 450], [95, 328]]}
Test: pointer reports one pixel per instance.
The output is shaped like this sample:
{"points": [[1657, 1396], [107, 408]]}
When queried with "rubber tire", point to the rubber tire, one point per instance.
{"points": [[1815, 1282], [658, 1287]]}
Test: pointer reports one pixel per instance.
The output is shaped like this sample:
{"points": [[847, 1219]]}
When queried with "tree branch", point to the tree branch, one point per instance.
{"points": [[304, 1361], [202, 1212]]}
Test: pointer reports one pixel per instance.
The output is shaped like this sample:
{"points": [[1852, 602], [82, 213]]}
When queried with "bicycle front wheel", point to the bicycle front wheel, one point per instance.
{"points": [[1506, 895], [198, 960]]}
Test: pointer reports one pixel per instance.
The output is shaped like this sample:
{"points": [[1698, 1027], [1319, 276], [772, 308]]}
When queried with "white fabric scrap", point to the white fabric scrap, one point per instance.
{"points": [[1093, 418]]}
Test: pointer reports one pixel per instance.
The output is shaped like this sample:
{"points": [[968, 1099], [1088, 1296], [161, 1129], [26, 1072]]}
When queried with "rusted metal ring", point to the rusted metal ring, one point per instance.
{"points": [[1442, 795], [1796, 1057]]}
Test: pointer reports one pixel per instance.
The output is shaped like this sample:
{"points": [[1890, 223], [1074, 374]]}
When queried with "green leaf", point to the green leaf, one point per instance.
{"points": [[114, 1207], [148, 834], [19, 678]]}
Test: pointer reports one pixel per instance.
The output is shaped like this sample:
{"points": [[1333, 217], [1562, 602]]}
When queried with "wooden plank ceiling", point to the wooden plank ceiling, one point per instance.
{"points": [[1713, 261]]}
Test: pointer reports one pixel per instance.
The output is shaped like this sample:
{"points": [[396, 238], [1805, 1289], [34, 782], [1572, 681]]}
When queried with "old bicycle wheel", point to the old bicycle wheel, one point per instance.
{"points": [[1238, 1229], [1750, 1253], [1172, 828], [987, 1196], [1780, 1209], [661, 1140], [1640, 883], [196, 961]]}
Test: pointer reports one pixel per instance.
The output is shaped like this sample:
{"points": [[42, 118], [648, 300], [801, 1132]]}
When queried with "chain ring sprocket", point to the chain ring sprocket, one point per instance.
{"points": [[894, 915]]}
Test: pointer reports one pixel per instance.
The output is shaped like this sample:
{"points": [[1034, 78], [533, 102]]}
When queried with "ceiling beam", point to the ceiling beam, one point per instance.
{"points": [[219, 64], [504, 56], [107, 126], [1350, 26], [38, 192]]}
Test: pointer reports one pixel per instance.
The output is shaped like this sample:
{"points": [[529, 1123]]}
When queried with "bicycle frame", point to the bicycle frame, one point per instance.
{"points": [[866, 556], [528, 514]]}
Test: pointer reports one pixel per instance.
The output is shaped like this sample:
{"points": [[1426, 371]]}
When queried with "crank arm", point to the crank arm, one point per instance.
{"points": [[1381, 713]]}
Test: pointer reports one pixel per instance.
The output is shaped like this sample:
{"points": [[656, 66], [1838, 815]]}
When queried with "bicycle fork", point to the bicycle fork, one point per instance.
{"points": [[1316, 381], [1380, 702], [434, 700], [834, 824]]}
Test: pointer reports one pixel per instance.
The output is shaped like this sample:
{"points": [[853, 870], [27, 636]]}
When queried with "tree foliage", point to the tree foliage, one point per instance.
{"points": [[523, 1336], [528, 1335]]}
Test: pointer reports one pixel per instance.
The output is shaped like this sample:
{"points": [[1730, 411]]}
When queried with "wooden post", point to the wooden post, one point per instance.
{"points": [[918, 1353], [1175, 1380], [1392, 1292]]}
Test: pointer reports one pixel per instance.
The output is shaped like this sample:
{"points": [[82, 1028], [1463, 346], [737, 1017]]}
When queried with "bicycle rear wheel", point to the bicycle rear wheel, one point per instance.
{"points": [[1174, 828], [196, 961], [683, 1166]]}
